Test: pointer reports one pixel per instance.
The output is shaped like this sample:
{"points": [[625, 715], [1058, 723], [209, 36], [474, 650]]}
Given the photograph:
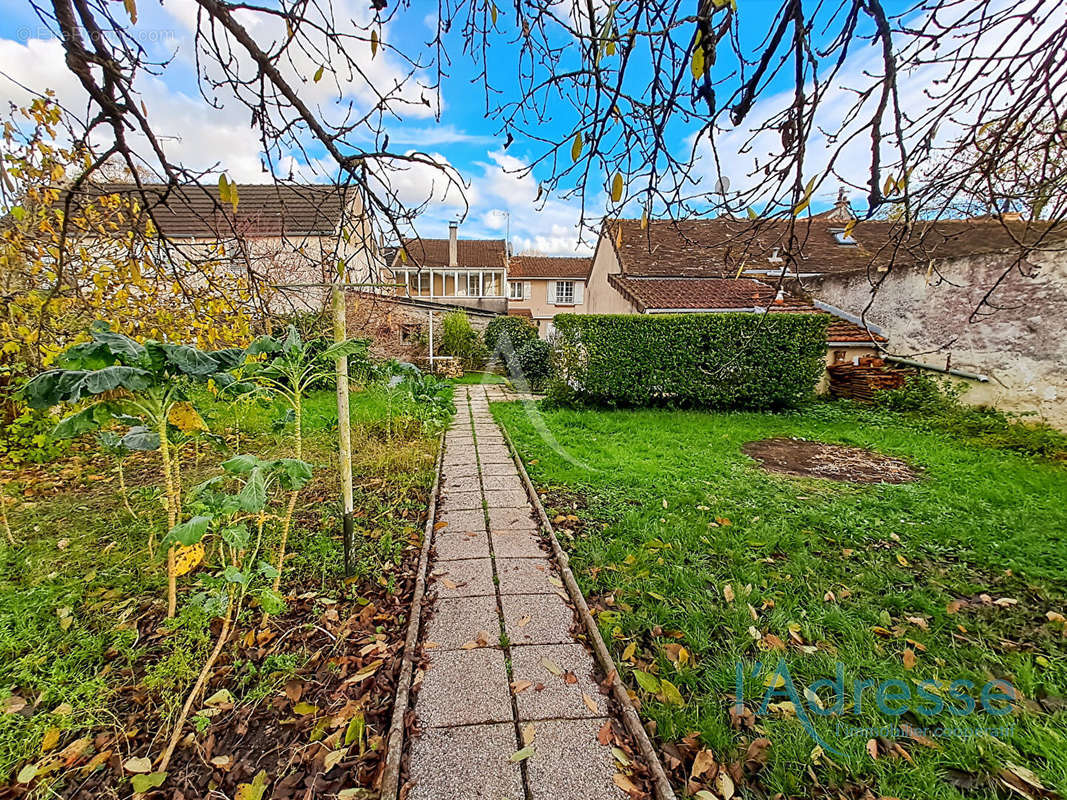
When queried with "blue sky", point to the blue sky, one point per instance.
{"points": [[497, 195]]}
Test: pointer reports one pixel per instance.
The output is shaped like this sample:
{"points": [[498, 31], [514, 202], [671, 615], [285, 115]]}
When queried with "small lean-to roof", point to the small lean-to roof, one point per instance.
{"points": [[471, 253], [263, 210], [568, 267], [723, 247]]}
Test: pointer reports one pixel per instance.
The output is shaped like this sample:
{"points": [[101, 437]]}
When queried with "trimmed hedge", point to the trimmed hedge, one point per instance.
{"points": [[519, 330], [721, 361]]}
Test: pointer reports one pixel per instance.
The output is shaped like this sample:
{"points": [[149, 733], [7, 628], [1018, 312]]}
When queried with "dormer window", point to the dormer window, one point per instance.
{"points": [[843, 237]]}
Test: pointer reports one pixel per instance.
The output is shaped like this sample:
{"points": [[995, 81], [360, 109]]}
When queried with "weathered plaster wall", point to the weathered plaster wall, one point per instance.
{"points": [[1019, 340]]}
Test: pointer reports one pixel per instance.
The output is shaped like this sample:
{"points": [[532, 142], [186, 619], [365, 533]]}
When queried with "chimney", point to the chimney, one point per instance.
{"points": [[453, 244], [842, 210]]}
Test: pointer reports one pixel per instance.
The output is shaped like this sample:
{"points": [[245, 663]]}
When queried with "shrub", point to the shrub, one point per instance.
{"points": [[518, 330], [921, 392], [535, 361], [755, 361], [460, 340], [934, 403]]}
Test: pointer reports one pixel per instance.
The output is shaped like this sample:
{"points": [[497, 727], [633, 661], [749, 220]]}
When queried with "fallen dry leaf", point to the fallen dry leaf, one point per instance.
{"points": [[909, 658], [590, 703], [552, 666]]}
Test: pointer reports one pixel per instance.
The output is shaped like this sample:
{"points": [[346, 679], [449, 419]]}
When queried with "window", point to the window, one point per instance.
{"points": [[565, 293], [843, 237], [515, 290], [474, 284]]}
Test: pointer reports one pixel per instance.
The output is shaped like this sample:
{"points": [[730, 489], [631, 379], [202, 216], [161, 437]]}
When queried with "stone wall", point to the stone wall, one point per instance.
{"points": [[1017, 339], [397, 330]]}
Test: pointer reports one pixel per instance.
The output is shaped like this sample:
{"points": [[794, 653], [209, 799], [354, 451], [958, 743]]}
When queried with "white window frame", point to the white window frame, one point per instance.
{"points": [[563, 297], [512, 286], [477, 285]]}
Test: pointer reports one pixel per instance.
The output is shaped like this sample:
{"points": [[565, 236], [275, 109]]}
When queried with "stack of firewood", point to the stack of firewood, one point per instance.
{"points": [[861, 380]]}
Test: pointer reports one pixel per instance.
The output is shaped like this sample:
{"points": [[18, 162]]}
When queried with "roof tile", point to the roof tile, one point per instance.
{"points": [[549, 267]]}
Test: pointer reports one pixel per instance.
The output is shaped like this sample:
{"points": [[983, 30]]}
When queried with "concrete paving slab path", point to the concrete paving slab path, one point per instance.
{"points": [[500, 659]]}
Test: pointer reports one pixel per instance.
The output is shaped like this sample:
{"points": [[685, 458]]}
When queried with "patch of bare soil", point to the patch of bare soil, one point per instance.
{"points": [[805, 459]]}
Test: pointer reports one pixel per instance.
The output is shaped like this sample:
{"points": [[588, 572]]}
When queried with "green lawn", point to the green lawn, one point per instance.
{"points": [[680, 533], [480, 378], [78, 584]]}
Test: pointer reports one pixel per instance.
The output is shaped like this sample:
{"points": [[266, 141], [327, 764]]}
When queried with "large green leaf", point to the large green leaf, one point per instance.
{"points": [[120, 344], [87, 355], [117, 377], [230, 358], [189, 532], [88, 419], [239, 465], [353, 347], [253, 496], [189, 360], [236, 536], [264, 344], [293, 343], [141, 438], [46, 389], [293, 474]]}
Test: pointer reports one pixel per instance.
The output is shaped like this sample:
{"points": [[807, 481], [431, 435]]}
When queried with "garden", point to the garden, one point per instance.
{"points": [[176, 605], [828, 600]]}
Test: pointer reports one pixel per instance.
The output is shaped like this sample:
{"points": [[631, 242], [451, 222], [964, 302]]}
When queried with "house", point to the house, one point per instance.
{"points": [[468, 273], [539, 287], [664, 267], [951, 295], [286, 239]]}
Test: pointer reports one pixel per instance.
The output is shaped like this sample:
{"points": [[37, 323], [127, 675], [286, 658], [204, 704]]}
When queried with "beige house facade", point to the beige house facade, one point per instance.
{"points": [[539, 287]]}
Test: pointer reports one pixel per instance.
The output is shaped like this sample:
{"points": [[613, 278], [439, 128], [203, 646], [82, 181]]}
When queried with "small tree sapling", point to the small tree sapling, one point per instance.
{"points": [[225, 506]]}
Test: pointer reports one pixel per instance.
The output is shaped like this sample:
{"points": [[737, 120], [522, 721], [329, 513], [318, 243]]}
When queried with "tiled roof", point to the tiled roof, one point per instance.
{"points": [[691, 295], [262, 209], [487, 253], [722, 247], [549, 267], [520, 312]]}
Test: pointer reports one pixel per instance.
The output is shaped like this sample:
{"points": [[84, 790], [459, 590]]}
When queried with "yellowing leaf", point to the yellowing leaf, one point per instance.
{"points": [[186, 418], [590, 703], [624, 783], [253, 790], [373, 43], [187, 558], [576, 147], [142, 783], [696, 66], [493, 12], [552, 666], [50, 739], [671, 693], [521, 755], [628, 653], [333, 758], [616, 188], [304, 709], [528, 733], [131, 9], [318, 74]]}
